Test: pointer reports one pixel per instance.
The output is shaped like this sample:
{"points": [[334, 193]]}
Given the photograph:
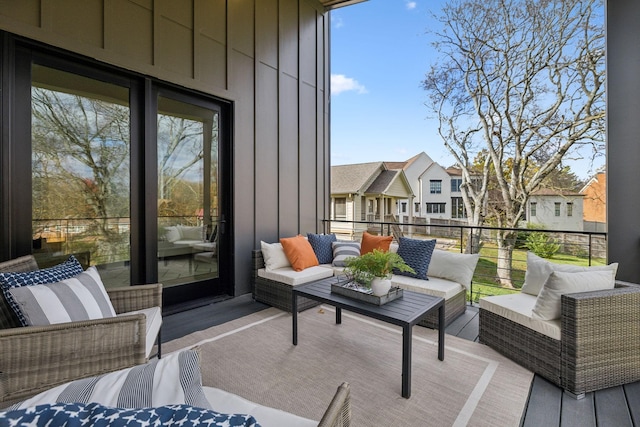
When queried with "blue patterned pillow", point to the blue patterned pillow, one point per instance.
{"points": [[321, 244], [57, 273], [95, 414], [417, 254]]}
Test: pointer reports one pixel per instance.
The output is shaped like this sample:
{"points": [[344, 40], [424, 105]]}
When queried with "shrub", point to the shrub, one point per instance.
{"points": [[542, 244]]}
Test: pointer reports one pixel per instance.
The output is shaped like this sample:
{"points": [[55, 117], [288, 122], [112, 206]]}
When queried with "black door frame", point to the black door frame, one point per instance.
{"points": [[16, 56]]}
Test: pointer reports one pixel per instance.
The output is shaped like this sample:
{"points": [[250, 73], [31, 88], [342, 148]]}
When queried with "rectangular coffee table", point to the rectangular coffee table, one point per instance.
{"points": [[404, 312]]}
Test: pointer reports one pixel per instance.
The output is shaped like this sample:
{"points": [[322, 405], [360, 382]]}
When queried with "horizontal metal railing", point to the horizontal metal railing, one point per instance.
{"points": [[567, 247], [107, 239]]}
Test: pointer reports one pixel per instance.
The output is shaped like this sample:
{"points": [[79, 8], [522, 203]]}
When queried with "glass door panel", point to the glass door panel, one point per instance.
{"points": [[81, 172], [187, 144]]}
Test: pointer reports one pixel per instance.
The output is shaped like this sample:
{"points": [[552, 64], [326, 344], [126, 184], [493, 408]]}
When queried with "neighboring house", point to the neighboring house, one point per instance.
{"points": [[436, 189], [367, 192], [556, 210], [595, 203]]}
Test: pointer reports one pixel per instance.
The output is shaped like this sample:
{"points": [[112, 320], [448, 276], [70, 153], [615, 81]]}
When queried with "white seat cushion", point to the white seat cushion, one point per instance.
{"points": [[154, 322], [518, 308], [434, 286], [229, 403], [289, 276]]}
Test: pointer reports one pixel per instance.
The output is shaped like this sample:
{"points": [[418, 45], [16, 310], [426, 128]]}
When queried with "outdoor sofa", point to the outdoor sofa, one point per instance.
{"points": [[449, 276], [156, 388], [592, 344]]}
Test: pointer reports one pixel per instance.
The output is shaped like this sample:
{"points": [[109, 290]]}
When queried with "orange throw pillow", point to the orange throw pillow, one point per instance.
{"points": [[371, 242], [299, 252]]}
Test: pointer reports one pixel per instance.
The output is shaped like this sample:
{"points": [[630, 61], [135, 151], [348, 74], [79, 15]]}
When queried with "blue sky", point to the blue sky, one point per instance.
{"points": [[380, 52]]}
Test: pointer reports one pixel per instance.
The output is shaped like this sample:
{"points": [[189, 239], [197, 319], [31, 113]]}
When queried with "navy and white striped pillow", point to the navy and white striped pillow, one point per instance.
{"points": [[82, 297], [174, 379], [71, 267]]}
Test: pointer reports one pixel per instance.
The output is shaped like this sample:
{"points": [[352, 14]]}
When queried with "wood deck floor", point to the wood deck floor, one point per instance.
{"points": [[548, 406]]}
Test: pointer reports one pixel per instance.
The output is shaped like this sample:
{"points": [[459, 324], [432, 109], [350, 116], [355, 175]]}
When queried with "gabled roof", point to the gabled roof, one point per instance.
{"points": [[395, 165], [382, 182], [452, 171], [354, 178]]}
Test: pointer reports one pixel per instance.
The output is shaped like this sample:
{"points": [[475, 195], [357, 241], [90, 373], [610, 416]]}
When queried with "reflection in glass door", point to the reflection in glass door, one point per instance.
{"points": [[80, 136], [187, 145]]}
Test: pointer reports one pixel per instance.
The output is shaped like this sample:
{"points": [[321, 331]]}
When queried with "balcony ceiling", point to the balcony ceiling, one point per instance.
{"points": [[334, 4]]}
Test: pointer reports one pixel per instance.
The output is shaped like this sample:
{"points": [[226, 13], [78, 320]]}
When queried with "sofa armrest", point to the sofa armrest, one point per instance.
{"points": [[601, 338], [257, 262], [36, 358], [138, 297], [338, 414]]}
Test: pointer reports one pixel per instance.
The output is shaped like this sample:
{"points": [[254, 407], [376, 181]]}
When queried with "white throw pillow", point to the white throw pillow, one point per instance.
{"points": [[174, 379], [192, 232], [172, 234], [453, 266], [539, 269], [274, 256], [82, 297], [548, 303]]}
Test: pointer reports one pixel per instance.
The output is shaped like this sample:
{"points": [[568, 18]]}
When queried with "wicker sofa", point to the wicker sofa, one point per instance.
{"points": [[278, 294], [35, 358], [598, 343]]}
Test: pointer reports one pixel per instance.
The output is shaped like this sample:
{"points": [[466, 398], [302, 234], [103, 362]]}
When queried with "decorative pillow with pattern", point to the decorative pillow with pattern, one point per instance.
{"points": [[174, 379], [97, 415], [70, 268], [82, 297], [417, 255], [343, 250], [321, 244]]}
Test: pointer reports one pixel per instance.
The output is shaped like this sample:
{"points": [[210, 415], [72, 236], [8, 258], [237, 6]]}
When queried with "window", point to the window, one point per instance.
{"points": [[557, 208], [436, 208], [340, 208], [435, 186], [533, 208], [455, 185], [416, 207], [403, 207], [569, 208], [457, 208]]}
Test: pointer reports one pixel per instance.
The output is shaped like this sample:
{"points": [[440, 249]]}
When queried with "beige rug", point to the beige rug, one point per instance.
{"points": [[254, 358]]}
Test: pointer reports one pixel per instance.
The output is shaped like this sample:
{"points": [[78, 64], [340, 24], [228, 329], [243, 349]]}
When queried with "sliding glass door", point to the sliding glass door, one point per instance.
{"points": [[80, 157], [125, 173], [188, 212]]}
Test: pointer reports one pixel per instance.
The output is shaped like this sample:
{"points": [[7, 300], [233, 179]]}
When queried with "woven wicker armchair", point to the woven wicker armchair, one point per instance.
{"points": [[36, 358], [338, 414], [599, 345]]}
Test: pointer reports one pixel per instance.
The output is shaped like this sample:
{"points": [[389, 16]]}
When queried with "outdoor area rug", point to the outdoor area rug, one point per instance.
{"points": [[254, 357]]}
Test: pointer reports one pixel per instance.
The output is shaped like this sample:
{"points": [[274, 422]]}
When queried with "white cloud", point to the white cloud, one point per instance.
{"points": [[341, 83], [337, 21], [411, 5]]}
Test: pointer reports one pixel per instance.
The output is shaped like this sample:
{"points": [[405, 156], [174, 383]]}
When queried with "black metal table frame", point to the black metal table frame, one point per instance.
{"points": [[370, 310]]}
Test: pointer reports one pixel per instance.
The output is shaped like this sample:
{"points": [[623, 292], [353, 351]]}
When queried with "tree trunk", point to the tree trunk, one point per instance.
{"points": [[473, 244], [506, 243]]}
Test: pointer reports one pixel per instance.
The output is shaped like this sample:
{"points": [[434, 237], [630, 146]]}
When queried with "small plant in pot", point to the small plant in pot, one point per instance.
{"points": [[373, 269]]}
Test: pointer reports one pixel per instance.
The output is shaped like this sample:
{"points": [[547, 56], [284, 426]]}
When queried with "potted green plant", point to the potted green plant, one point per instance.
{"points": [[374, 269]]}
